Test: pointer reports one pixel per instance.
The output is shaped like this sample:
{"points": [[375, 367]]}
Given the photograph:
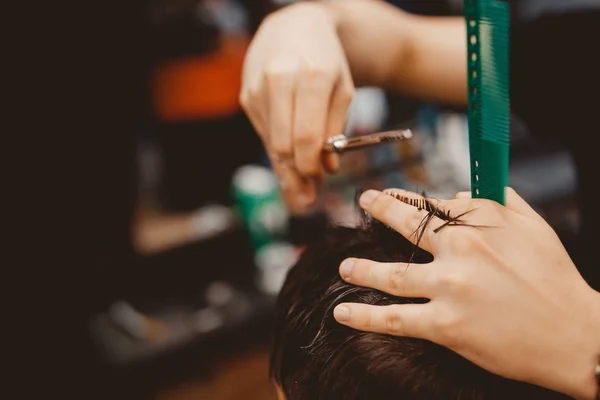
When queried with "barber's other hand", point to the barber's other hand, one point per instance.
{"points": [[296, 90], [505, 296]]}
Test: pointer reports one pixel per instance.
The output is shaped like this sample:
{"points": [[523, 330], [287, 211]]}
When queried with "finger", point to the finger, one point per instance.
{"points": [[516, 203], [338, 112], [449, 212], [259, 125], [331, 163], [411, 222], [399, 279], [410, 320], [312, 99], [298, 192], [256, 109], [280, 88]]}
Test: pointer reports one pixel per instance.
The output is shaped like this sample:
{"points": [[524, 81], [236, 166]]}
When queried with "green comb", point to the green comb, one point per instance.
{"points": [[488, 29]]}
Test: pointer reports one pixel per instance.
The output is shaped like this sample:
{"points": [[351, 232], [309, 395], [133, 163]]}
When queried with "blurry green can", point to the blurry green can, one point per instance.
{"points": [[256, 190]]}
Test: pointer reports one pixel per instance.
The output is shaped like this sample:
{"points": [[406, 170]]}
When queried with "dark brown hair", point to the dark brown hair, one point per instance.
{"points": [[314, 357]]}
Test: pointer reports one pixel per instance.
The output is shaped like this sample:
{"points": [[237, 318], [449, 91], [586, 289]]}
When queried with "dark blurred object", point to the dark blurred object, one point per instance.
{"points": [[178, 30], [201, 131], [196, 339], [437, 7], [180, 311], [257, 11], [178, 273], [307, 229], [200, 157], [555, 77]]}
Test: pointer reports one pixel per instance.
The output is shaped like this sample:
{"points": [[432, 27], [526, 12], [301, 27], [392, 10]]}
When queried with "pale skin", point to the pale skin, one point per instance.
{"points": [[302, 66], [508, 298]]}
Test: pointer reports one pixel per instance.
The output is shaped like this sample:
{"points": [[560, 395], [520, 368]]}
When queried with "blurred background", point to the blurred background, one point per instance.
{"points": [[213, 239]]}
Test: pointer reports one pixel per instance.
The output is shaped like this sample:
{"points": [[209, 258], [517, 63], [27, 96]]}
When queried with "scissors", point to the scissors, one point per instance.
{"points": [[341, 143]]}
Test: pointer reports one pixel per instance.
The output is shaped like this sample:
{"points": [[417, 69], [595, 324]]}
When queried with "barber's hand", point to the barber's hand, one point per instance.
{"points": [[505, 296], [296, 90]]}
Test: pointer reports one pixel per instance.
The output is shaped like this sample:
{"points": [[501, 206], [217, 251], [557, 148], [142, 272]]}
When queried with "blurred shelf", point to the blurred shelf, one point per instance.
{"points": [[193, 342]]}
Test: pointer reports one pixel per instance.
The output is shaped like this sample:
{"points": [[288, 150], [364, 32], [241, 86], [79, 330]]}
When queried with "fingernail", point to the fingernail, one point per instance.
{"points": [[306, 194], [341, 313], [367, 197], [346, 268]]}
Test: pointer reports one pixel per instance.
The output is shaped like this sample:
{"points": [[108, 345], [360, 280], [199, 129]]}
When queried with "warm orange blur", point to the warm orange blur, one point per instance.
{"points": [[198, 87]]}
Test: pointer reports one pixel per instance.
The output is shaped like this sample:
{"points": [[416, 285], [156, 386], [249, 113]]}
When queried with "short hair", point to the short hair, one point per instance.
{"points": [[314, 357]]}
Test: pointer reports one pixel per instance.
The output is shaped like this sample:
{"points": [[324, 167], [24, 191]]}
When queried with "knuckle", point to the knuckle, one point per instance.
{"points": [[453, 282], [447, 328], [393, 323], [310, 170], [306, 137], [463, 241], [244, 99], [347, 93], [254, 93], [368, 321], [317, 71], [282, 153], [396, 277], [281, 148], [276, 74]]}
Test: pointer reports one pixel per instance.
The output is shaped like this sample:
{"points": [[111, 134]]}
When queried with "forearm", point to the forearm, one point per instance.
{"points": [[420, 56]]}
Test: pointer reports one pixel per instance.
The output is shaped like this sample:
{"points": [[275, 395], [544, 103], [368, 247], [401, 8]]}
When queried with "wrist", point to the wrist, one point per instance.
{"points": [[590, 386], [579, 365], [317, 12]]}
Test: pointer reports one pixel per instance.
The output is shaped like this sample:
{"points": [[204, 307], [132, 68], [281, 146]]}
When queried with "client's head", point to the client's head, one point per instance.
{"points": [[314, 357]]}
